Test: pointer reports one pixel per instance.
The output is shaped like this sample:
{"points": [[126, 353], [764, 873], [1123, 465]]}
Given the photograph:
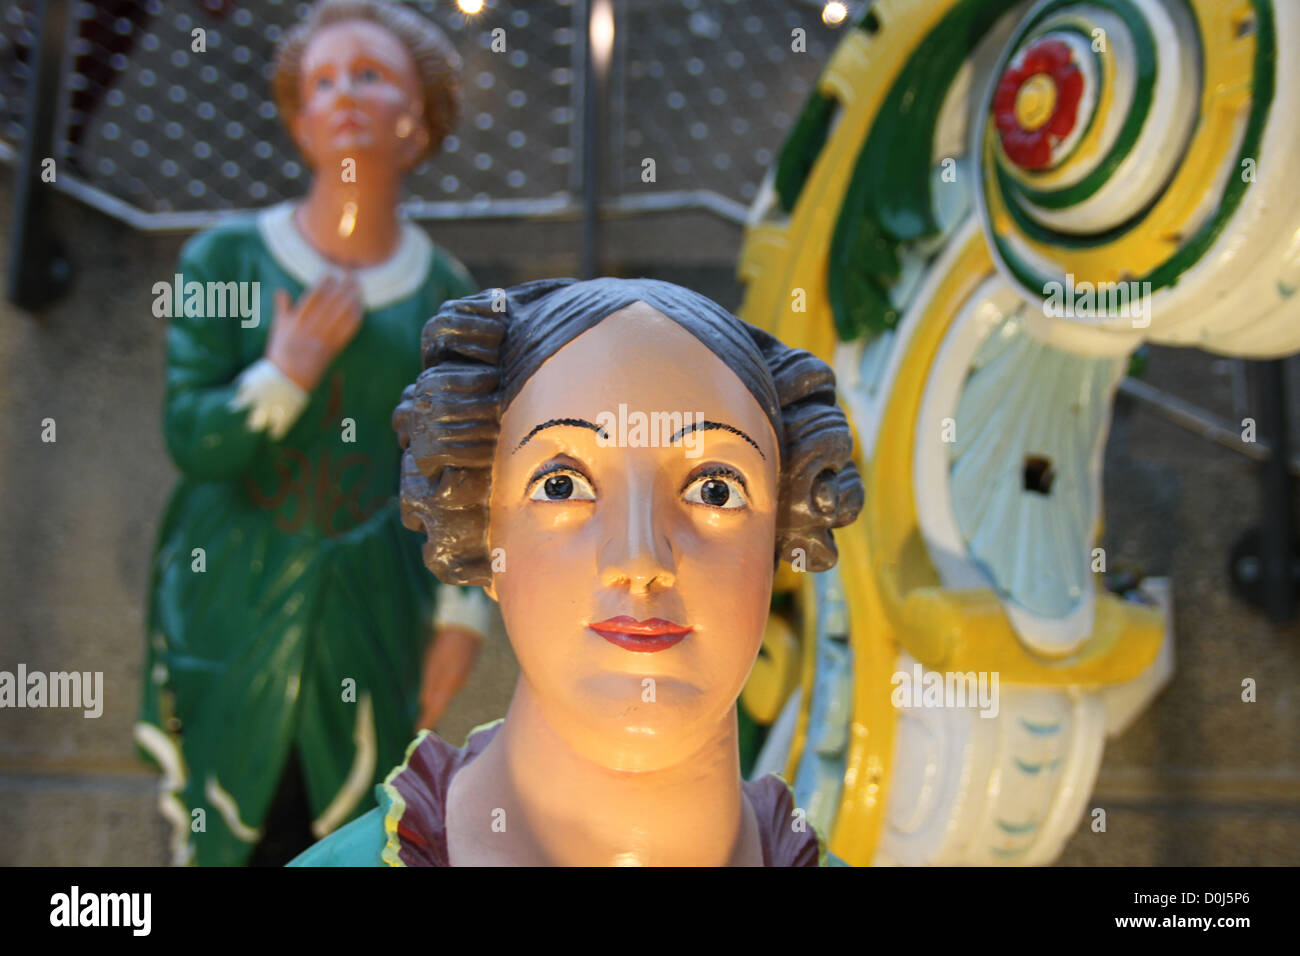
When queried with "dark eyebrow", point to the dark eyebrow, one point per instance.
{"points": [[717, 426], [572, 422]]}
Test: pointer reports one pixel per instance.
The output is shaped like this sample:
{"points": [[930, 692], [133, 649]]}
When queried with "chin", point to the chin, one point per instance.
{"points": [[615, 727], [347, 143]]}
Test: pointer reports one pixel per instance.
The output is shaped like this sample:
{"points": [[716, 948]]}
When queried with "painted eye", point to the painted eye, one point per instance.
{"points": [[564, 485], [324, 83], [368, 76], [716, 491]]}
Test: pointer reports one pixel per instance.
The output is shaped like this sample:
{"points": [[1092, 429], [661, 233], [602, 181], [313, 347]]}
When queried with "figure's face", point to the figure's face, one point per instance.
{"points": [[637, 579], [359, 98]]}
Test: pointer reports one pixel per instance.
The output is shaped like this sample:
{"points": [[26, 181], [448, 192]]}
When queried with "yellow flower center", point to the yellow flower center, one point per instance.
{"points": [[1035, 102]]}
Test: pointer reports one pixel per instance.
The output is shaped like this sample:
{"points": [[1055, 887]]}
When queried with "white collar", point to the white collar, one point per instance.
{"points": [[395, 278]]}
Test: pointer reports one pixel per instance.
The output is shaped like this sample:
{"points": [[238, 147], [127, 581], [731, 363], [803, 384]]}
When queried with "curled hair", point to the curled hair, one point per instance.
{"points": [[436, 61], [477, 358]]}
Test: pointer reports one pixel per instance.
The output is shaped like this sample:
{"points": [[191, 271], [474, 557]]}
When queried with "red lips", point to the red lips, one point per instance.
{"points": [[648, 636], [351, 120]]}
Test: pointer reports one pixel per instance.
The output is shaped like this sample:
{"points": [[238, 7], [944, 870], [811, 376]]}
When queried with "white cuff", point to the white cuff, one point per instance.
{"points": [[463, 607], [275, 400]]}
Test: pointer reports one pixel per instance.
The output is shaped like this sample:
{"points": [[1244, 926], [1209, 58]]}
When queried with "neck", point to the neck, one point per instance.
{"points": [[579, 813], [348, 225]]}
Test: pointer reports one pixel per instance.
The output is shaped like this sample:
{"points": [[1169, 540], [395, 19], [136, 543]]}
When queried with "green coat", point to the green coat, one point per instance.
{"points": [[303, 618]]}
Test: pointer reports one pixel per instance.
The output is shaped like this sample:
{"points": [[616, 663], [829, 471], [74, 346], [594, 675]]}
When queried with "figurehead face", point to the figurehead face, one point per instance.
{"points": [[359, 98], [634, 500], [621, 463], [366, 80]]}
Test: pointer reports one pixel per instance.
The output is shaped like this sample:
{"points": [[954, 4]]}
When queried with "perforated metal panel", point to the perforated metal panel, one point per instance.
{"points": [[707, 88], [17, 37]]}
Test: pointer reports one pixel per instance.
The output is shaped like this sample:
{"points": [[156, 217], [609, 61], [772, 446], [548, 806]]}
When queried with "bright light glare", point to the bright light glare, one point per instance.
{"points": [[833, 13], [469, 7], [602, 33]]}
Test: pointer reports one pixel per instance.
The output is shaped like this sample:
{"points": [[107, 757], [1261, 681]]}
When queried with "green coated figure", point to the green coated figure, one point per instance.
{"points": [[289, 610]]}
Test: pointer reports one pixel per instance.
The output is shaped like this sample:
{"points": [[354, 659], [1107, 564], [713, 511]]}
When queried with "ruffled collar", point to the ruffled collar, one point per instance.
{"points": [[397, 277]]}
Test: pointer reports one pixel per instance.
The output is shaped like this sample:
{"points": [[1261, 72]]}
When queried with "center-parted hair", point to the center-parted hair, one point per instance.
{"points": [[476, 360]]}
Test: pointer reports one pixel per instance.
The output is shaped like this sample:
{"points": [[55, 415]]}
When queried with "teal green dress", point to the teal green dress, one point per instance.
{"points": [[288, 606]]}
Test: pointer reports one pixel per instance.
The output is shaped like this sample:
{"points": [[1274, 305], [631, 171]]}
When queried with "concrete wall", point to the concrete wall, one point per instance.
{"points": [[1200, 778]]}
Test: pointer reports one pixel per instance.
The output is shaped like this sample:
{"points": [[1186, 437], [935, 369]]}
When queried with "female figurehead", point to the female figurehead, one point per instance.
{"points": [[620, 464]]}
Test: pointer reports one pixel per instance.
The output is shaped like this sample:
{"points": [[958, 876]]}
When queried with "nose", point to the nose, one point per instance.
{"points": [[636, 553], [345, 86]]}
